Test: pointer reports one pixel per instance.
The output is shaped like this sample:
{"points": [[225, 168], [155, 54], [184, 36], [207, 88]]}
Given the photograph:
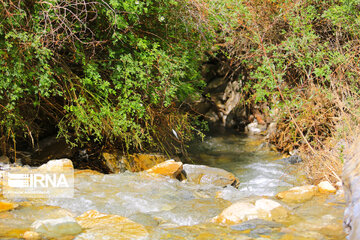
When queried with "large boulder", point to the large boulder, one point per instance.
{"points": [[202, 174], [106, 226]]}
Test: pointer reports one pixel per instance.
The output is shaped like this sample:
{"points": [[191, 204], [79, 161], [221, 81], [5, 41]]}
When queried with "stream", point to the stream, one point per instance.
{"points": [[171, 209]]}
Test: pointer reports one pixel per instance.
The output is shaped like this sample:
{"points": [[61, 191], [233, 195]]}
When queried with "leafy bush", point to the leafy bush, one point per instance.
{"points": [[100, 71]]}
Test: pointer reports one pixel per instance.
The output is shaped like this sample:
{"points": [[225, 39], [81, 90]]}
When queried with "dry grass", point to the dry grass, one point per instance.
{"points": [[327, 162]]}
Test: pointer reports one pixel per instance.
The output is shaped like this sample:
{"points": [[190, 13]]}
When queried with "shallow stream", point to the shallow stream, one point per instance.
{"points": [[170, 209]]}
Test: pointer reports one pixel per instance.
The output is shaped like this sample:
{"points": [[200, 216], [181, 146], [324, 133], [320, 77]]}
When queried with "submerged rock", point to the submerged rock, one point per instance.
{"points": [[326, 187], [58, 227], [239, 212], [298, 194], [202, 174], [107, 226], [168, 168]]}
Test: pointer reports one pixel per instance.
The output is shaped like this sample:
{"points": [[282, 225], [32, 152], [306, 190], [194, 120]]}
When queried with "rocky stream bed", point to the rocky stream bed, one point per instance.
{"points": [[237, 188]]}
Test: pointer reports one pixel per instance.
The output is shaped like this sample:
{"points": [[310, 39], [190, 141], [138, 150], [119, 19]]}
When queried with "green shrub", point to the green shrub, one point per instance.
{"points": [[98, 70]]}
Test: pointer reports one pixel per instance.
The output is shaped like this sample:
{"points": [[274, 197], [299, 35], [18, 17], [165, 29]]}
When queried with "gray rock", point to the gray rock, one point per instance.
{"points": [[257, 226], [243, 226], [293, 159]]}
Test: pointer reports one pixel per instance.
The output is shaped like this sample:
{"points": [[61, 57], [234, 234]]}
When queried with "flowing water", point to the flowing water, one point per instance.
{"points": [[170, 209]]}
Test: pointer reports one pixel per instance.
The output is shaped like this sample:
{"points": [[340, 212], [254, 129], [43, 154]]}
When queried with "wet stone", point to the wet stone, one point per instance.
{"points": [[261, 222], [243, 226], [261, 231], [256, 223], [202, 174]]}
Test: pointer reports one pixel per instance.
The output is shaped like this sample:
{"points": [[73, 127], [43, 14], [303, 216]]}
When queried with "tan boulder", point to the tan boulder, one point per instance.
{"points": [[168, 168], [326, 187], [202, 174], [6, 206], [107, 226], [298, 194]]}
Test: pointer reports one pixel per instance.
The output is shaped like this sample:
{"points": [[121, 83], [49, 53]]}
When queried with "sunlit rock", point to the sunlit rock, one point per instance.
{"points": [[57, 227], [168, 168], [30, 235], [201, 174], [57, 165], [271, 210], [239, 212], [107, 226], [298, 194], [326, 187], [6, 206]]}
